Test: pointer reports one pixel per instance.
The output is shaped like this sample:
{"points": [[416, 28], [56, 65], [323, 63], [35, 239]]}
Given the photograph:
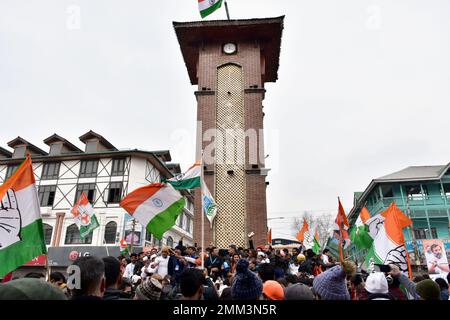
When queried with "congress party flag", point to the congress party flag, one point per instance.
{"points": [[84, 217], [21, 230]]}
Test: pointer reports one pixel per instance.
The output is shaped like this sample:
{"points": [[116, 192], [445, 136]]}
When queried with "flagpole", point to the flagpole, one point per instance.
{"points": [[226, 9], [202, 213]]}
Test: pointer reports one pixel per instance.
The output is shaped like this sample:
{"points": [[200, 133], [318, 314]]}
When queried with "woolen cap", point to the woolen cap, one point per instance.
{"points": [[428, 290], [30, 289], [273, 290], [376, 283], [149, 290], [298, 291]]}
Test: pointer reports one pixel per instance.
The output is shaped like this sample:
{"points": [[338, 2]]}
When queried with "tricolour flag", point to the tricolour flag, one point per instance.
{"points": [[156, 206], [21, 230], [84, 217], [359, 234], [388, 240], [341, 230], [209, 205], [188, 180], [316, 246], [301, 233], [123, 247], [206, 7]]}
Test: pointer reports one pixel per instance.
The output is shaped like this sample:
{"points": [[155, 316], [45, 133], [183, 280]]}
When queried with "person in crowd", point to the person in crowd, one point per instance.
{"points": [[129, 270], [234, 261], [425, 289], [444, 288], [126, 289], [191, 284], [176, 265], [377, 287], [214, 263], [92, 279], [298, 291], [30, 289], [246, 285], [266, 272], [35, 275], [394, 288], [357, 287], [113, 278], [149, 290], [273, 290], [332, 284], [162, 262], [58, 280]]}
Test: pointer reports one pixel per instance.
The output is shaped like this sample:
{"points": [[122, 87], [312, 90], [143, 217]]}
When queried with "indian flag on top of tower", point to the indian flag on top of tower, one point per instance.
{"points": [[21, 230], [188, 180], [156, 206], [206, 7]]}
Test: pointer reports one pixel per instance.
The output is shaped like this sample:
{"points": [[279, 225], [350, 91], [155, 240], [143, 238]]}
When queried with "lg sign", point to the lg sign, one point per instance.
{"points": [[74, 255]]}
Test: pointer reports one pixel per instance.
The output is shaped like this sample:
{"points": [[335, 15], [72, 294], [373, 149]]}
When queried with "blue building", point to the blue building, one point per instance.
{"points": [[421, 192]]}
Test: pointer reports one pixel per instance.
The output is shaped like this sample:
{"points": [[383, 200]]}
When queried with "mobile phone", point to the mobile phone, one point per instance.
{"points": [[383, 267]]}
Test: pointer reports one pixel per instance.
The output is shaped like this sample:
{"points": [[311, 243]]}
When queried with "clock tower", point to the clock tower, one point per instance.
{"points": [[230, 61]]}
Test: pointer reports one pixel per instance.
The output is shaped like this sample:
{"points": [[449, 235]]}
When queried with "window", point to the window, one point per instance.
{"points": [[11, 170], [48, 231], [156, 242], [110, 232], [88, 189], [170, 242], [50, 171], [188, 223], [414, 192], [423, 233], [118, 167], [47, 195], [115, 192], [148, 236], [180, 221], [386, 190], [88, 168], [73, 236], [446, 190]]}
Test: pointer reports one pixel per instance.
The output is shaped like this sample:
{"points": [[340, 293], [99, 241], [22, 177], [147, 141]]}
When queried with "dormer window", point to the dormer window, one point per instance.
{"points": [[88, 168]]}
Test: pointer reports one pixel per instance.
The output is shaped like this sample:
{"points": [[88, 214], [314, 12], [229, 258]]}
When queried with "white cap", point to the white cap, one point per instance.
{"points": [[135, 278], [260, 253], [376, 283], [153, 256], [145, 258]]}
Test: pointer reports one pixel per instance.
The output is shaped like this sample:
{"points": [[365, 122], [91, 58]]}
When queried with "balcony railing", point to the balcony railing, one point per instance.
{"points": [[417, 204]]}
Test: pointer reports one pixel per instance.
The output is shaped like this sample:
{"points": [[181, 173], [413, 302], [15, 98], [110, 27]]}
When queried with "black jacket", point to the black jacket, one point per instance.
{"points": [[113, 294]]}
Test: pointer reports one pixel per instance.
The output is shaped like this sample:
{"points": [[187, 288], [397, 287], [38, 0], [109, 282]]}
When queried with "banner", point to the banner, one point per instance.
{"points": [[436, 257]]}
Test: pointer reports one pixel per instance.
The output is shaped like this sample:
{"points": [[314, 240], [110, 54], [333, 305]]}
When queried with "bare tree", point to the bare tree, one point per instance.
{"points": [[323, 223]]}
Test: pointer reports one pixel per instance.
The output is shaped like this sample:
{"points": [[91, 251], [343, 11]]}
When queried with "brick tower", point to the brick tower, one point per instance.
{"points": [[230, 61]]}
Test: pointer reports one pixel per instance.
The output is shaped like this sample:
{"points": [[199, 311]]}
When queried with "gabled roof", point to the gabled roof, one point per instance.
{"points": [[174, 167], [5, 153], [91, 134], [21, 141], [267, 31], [163, 154], [56, 138], [415, 173]]}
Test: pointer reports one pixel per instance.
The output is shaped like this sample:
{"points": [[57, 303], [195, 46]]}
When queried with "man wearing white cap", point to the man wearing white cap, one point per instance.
{"points": [[377, 287]]}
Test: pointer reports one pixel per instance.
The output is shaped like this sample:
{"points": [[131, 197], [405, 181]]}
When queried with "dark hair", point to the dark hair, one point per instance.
{"points": [[192, 248], [226, 294], [283, 282], [142, 252], [57, 276], [442, 283], [133, 255], [92, 270], [34, 275], [310, 253], [426, 276], [266, 272], [325, 251], [291, 278], [356, 279], [125, 283], [190, 281], [112, 271], [418, 278], [434, 245]]}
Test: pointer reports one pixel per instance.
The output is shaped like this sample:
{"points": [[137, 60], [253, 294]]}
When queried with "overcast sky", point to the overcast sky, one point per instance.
{"points": [[363, 90]]}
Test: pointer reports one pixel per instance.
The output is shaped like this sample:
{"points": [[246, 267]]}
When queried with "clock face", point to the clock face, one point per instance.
{"points": [[229, 48]]}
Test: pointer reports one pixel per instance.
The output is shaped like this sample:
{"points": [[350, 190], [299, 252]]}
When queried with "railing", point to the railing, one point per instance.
{"points": [[430, 202]]}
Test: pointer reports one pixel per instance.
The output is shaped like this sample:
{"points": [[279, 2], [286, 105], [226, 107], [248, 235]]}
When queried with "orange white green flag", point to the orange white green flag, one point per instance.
{"points": [[156, 206], [316, 246], [301, 233], [21, 230], [84, 217], [388, 239], [206, 7]]}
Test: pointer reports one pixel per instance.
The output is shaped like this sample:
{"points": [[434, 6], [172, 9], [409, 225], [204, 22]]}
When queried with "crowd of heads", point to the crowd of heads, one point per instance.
{"points": [[188, 273]]}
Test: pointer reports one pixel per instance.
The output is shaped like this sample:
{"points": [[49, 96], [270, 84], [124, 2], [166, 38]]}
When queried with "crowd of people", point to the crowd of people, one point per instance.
{"points": [[260, 273]]}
